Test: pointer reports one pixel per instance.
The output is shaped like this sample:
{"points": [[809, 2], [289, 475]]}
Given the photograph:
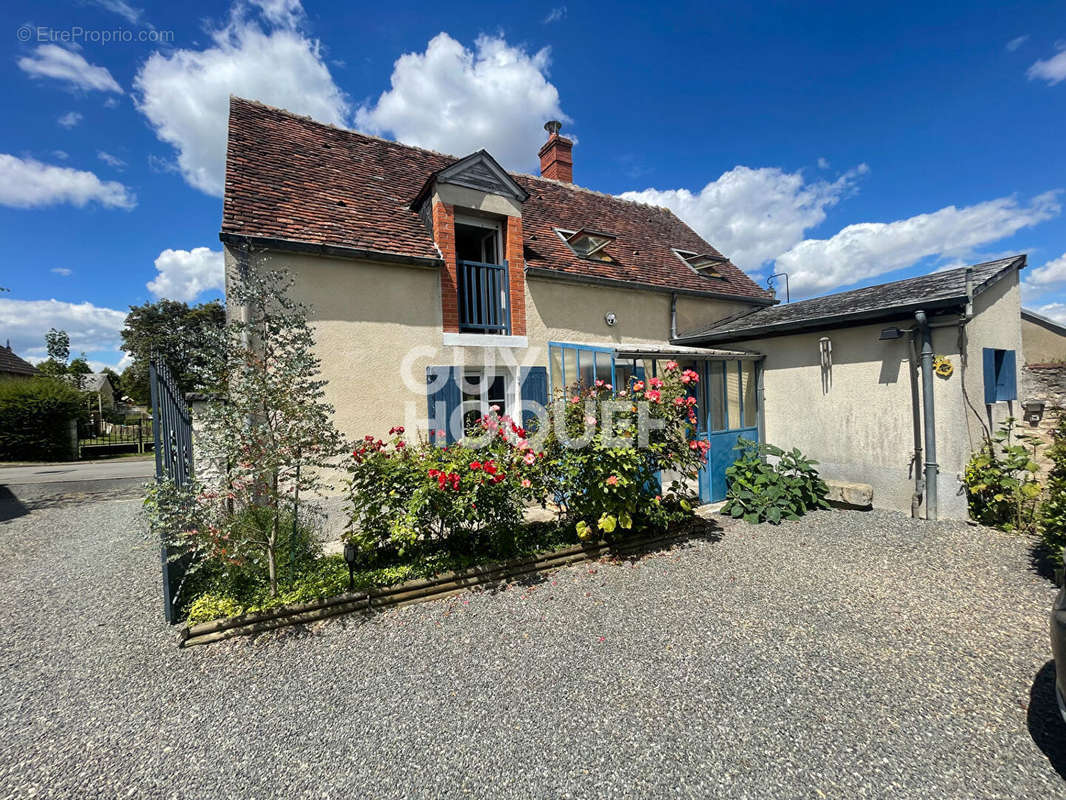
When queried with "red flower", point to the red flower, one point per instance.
{"points": [[401, 444], [490, 467], [638, 386], [433, 473], [475, 466], [693, 445], [498, 478], [397, 429], [654, 395]]}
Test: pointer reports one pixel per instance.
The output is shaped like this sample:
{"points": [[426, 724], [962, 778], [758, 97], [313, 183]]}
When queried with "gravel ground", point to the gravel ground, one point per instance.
{"points": [[847, 655]]}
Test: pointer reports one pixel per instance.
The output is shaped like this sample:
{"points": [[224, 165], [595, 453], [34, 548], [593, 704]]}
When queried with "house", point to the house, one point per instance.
{"points": [[11, 366], [843, 378], [98, 386], [443, 286], [1043, 339]]}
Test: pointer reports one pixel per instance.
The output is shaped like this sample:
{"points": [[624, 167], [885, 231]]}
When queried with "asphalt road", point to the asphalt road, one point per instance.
{"points": [[25, 487]]}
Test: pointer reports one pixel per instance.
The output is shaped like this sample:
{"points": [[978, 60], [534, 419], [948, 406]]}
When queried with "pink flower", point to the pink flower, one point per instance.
{"points": [[694, 445], [523, 444], [440, 433], [526, 483], [654, 395], [590, 420], [656, 383], [679, 401], [689, 376], [671, 366], [612, 481], [599, 383], [494, 409], [529, 458], [575, 400]]}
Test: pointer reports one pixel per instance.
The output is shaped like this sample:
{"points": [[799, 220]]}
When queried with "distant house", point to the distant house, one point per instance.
{"points": [[11, 366], [1043, 340], [98, 384]]}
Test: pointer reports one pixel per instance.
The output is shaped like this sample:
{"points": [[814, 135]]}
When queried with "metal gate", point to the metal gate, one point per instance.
{"points": [[172, 431]]}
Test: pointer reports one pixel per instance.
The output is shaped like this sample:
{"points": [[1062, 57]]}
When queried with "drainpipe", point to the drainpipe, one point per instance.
{"points": [[930, 418], [673, 316], [916, 426]]}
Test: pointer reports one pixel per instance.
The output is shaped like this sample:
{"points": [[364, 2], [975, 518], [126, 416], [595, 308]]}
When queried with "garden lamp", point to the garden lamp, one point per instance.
{"points": [[350, 555]]}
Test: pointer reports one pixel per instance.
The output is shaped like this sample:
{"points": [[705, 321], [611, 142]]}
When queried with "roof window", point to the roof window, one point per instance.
{"points": [[587, 243], [705, 264]]}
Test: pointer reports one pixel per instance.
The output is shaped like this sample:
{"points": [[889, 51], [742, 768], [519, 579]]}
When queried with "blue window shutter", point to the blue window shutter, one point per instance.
{"points": [[1006, 385], [990, 375], [533, 387], [442, 394]]}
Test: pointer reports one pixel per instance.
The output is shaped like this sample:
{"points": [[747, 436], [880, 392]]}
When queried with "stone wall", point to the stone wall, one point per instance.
{"points": [[1046, 382]]}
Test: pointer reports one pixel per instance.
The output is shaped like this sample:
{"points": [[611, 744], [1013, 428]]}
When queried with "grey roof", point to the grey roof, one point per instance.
{"points": [[11, 364], [1040, 319], [89, 381], [938, 291]]}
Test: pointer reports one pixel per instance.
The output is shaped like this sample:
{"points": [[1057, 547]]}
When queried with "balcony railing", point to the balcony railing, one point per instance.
{"points": [[484, 298]]}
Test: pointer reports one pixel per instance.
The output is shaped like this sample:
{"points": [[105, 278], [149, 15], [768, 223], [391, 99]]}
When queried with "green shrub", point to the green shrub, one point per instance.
{"points": [[35, 417], [763, 492], [1000, 480], [210, 606], [1053, 511]]}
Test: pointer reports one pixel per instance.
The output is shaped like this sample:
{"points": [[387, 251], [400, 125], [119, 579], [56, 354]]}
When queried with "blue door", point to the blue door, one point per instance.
{"points": [[728, 411]]}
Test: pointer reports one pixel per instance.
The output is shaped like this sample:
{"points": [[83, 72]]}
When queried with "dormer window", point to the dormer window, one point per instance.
{"points": [[704, 264], [587, 243]]}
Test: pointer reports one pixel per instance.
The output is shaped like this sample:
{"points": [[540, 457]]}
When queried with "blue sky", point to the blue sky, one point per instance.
{"points": [[845, 143]]}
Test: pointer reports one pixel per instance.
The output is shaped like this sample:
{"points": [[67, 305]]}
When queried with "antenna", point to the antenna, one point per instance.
{"points": [[771, 284]]}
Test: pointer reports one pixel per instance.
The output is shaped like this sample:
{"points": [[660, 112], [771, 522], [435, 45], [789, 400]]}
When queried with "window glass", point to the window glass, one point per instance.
{"points": [[496, 392], [715, 398], [476, 243], [587, 367], [570, 366], [557, 368], [732, 394], [471, 389], [624, 370], [749, 393]]}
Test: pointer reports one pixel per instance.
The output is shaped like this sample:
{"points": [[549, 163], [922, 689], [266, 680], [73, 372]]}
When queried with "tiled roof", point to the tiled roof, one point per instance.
{"points": [[11, 364], [931, 292], [288, 177]]}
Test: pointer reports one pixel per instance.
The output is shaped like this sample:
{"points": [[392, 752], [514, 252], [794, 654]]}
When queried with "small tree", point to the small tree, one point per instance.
{"points": [[58, 344], [270, 431]]}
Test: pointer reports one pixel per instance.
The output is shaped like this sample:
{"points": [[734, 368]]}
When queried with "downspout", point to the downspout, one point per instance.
{"points": [[929, 415], [673, 316], [916, 425]]}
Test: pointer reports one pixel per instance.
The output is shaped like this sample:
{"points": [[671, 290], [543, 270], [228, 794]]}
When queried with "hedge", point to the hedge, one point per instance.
{"points": [[35, 417]]}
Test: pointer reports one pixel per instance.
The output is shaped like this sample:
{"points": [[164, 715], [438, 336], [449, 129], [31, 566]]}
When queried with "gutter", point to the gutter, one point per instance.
{"points": [[931, 467], [556, 275], [327, 250]]}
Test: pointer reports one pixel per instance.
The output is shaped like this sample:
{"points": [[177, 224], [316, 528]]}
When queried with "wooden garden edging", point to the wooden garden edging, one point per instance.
{"points": [[416, 591]]}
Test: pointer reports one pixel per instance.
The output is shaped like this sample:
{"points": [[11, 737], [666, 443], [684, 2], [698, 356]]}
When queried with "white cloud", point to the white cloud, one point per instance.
{"points": [[1053, 311], [62, 155], [283, 13], [1017, 42], [185, 93], [111, 102], [555, 15], [1053, 272], [456, 101], [823, 163], [123, 9], [110, 160], [27, 183], [53, 61], [872, 248], [70, 119], [62, 271], [91, 328], [184, 274], [753, 215], [1052, 70]]}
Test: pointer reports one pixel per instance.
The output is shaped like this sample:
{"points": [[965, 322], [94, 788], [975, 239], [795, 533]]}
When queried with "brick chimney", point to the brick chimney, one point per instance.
{"points": [[556, 160]]}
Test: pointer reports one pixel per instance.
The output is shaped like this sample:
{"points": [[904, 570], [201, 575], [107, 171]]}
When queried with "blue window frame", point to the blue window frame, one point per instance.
{"points": [[588, 363], [1000, 373]]}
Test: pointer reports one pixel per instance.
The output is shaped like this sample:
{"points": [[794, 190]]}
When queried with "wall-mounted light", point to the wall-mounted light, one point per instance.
{"points": [[1034, 411], [610, 318], [888, 334]]}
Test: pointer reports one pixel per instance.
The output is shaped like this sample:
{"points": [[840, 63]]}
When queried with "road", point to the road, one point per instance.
{"points": [[23, 488]]}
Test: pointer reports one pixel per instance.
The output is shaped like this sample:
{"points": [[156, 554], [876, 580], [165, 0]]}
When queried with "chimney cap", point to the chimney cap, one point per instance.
{"points": [[553, 126]]}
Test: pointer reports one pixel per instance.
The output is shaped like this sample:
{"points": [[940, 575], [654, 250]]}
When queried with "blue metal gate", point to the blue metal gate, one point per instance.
{"points": [[172, 429]]}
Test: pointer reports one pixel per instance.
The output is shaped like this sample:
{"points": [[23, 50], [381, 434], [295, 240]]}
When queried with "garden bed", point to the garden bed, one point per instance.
{"points": [[437, 587]]}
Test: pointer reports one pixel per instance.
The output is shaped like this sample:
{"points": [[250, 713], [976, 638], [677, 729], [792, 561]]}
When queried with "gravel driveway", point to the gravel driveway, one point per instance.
{"points": [[847, 655]]}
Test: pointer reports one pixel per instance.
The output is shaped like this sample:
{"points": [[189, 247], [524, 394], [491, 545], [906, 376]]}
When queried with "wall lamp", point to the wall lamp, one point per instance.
{"points": [[888, 334]]}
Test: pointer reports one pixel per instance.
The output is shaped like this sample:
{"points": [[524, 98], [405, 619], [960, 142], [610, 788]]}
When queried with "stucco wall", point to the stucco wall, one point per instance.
{"points": [[861, 428], [1041, 344], [378, 326]]}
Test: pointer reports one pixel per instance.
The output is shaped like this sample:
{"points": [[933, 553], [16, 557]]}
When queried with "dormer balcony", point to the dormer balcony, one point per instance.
{"points": [[483, 292]]}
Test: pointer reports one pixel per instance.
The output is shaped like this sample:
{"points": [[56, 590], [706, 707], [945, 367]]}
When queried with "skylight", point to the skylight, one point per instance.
{"points": [[587, 243], [705, 264]]}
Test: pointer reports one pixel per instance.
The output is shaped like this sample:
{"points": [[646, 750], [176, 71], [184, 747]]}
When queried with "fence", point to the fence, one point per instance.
{"points": [[172, 441], [97, 437]]}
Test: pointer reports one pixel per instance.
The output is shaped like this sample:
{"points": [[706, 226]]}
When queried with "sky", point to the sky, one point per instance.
{"points": [[845, 144]]}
